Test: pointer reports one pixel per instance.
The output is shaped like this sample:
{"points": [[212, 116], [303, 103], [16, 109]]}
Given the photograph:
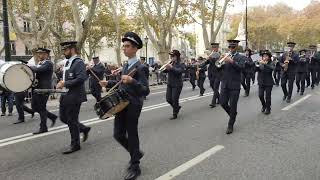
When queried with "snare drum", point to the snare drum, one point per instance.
{"points": [[111, 104], [16, 76]]}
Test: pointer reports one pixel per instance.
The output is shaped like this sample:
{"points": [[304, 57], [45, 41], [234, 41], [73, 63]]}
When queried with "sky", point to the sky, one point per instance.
{"points": [[295, 4]]}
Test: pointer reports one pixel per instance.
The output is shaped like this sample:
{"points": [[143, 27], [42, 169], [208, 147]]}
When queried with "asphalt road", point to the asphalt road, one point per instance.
{"points": [[283, 145]]}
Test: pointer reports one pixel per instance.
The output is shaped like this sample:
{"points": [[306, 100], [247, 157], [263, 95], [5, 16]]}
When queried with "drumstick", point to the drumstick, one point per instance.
{"points": [[131, 73], [94, 74]]}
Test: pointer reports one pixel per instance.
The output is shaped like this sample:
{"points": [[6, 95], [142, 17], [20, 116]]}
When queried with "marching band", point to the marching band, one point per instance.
{"points": [[125, 97]]}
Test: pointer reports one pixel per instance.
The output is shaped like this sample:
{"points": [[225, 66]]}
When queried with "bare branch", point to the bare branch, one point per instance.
{"points": [[34, 26], [76, 18], [226, 2], [49, 19], [88, 21]]}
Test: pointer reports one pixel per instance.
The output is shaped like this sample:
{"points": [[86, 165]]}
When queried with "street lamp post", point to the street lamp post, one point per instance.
{"points": [[246, 23], [146, 41], [6, 30]]}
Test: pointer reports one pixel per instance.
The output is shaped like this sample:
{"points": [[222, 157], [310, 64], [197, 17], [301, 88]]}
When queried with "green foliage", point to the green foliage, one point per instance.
{"points": [[270, 27]]}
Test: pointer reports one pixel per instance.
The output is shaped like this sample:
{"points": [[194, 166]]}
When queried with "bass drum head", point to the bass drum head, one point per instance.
{"points": [[17, 77]]}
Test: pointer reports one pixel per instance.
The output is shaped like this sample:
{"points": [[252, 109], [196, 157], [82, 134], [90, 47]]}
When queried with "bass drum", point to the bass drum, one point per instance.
{"points": [[16, 76]]}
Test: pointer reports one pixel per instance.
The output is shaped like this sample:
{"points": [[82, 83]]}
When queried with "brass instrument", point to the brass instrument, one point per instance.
{"points": [[275, 61], [116, 71], [163, 67], [263, 61], [287, 60], [221, 62], [303, 58], [197, 72], [257, 63]]}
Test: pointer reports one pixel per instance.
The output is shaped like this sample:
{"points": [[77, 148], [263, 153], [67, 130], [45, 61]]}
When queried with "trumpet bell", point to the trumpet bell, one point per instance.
{"points": [[257, 64], [219, 64]]}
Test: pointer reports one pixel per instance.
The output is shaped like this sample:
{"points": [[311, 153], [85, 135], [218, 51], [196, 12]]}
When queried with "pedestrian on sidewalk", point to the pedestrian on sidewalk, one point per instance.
{"points": [[6, 96]]}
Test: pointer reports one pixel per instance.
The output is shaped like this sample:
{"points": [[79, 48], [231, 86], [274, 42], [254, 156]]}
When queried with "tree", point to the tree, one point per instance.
{"points": [[82, 27], [41, 15], [158, 18], [211, 15], [271, 27]]}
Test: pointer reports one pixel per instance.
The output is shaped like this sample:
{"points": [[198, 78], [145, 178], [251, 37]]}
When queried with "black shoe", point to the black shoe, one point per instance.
{"points": [[229, 130], [312, 87], [288, 100], [86, 134], [268, 111], [201, 95], [10, 114], [53, 121], [298, 90], [72, 149], [133, 173], [174, 117], [19, 121], [140, 156], [3, 114], [212, 105], [263, 109], [301, 93], [40, 132], [284, 97]]}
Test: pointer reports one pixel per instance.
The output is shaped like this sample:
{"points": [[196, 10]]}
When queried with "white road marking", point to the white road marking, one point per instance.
{"points": [[55, 110], [296, 103], [54, 130], [182, 168]]}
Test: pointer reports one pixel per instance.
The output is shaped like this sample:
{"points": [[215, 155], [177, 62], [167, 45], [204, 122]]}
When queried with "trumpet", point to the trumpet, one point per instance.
{"points": [[221, 62], [303, 58], [163, 67], [286, 62], [116, 71], [197, 72], [257, 63]]}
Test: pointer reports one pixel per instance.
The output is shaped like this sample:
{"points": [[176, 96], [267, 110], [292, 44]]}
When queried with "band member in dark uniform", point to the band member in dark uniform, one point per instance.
{"points": [[201, 74], [214, 73], [174, 82], [98, 69], [231, 82], [288, 63], [43, 71], [21, 107], [137, 87], [302, 69], [192, 68], [277, 70], [74, 76], [313, 66], [265, 80], [143, 61], [247, 72]]}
